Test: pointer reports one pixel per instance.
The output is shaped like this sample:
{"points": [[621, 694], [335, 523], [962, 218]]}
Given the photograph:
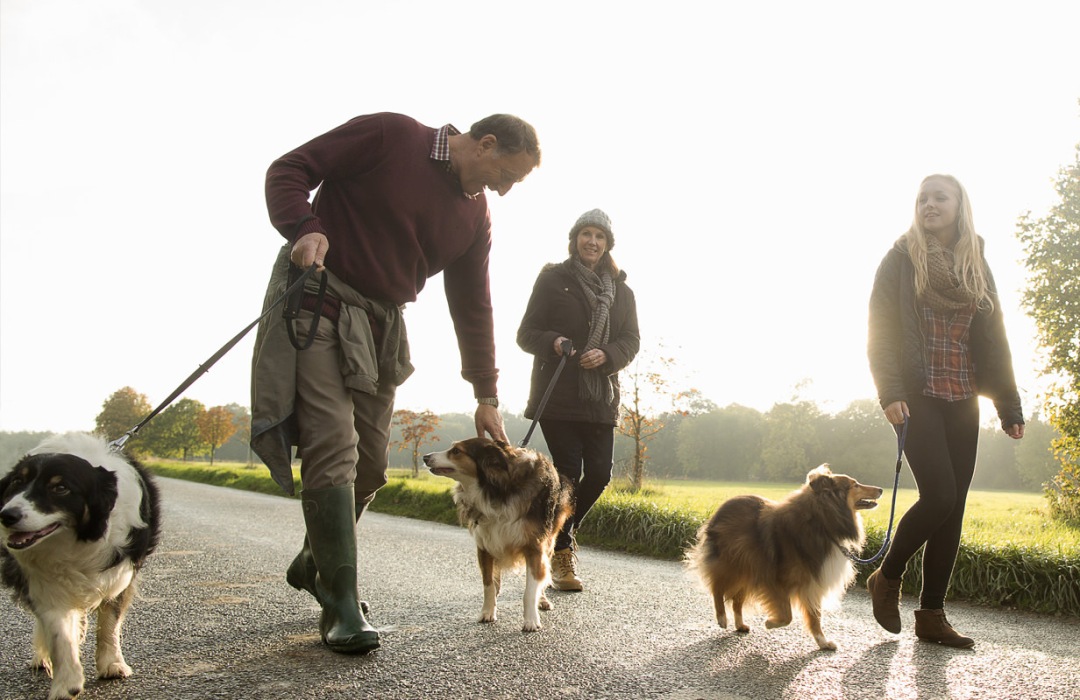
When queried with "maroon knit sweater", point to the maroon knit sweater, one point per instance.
{"points": [[394, 217]]}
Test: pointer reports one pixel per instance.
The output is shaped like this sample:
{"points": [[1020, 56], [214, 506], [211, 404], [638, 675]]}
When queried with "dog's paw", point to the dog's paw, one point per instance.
{"points": [[545, 604], [65, 686], [116, 669], [488, 615], [64, 693], [825, 644], [531, 625], [742, 629]]}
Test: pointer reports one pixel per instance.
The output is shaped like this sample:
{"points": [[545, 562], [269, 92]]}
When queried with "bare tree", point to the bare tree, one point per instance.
{"points": [[645, 389]]}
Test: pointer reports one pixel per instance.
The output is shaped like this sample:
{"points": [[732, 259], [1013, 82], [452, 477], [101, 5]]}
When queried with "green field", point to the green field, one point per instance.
{"points": [[993, 518], [1012, 554], [998, 518]]}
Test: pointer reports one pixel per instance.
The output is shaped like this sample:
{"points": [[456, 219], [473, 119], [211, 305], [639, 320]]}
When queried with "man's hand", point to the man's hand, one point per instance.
{"points": [[489, 420], [310, 249]]}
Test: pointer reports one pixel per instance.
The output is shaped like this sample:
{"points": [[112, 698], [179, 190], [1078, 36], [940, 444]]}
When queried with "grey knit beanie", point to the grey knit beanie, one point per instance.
{"points": [[597, 218]]}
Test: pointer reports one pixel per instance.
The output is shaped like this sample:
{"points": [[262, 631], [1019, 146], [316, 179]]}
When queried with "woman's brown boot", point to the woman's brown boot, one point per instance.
{"points": [[931, 626], [885, 595]]}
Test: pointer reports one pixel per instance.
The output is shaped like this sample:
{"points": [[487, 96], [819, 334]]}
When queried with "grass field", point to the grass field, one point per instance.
{"points": [[1012, 554], [993, 518], [998, 518]]}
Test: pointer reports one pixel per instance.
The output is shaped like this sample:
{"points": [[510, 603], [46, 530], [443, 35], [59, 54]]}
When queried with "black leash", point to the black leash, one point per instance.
{"points": [[118, 444], [567, 347], [901, 437]]}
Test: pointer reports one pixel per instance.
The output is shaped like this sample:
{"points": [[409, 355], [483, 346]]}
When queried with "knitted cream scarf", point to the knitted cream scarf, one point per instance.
{"points": [[599, 291], [944, 292]]}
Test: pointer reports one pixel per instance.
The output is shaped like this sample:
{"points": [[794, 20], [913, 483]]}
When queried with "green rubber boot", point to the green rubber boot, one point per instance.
{"points": [[301, 572], [331, 525], [301, 575]]}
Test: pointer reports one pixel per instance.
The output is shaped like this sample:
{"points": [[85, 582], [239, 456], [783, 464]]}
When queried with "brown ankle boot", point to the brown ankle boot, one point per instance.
{"points": [[931, 626], [885, 595]]}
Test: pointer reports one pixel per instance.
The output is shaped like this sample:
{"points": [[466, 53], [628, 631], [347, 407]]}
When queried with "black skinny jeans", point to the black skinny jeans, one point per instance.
{"points": [[942, 441], [583, 453]]}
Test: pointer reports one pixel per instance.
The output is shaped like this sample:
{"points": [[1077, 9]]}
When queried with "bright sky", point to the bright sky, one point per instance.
{"points": [[757, 160]]}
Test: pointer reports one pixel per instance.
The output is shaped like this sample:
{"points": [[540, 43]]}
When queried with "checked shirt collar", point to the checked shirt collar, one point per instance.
{"points": [[440, 150]]}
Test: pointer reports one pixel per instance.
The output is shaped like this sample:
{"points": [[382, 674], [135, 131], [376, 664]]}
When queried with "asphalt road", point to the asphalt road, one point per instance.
{"points": [[215, 619]]}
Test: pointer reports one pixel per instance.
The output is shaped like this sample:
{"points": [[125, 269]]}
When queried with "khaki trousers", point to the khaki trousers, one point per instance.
{"points": [[344, 434]]}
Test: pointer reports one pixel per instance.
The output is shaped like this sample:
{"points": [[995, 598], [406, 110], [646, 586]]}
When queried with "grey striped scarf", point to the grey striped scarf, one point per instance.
{"points": [[599, 291]]}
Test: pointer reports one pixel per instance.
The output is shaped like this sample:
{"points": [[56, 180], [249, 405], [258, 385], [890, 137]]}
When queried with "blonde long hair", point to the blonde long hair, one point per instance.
{"points": [[968, 265]]}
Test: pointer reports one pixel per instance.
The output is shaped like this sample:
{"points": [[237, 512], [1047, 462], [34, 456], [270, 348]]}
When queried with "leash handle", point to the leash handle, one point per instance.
{"points": [[901, 438], [567, 347], [118, 444], [292, 309]]}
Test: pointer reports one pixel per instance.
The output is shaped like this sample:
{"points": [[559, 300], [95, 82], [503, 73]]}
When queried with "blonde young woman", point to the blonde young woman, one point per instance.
{"points": [[936, 342]]}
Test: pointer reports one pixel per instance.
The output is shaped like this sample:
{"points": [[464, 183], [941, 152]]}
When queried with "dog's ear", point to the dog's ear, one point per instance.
{"points": [[100, 501], [820, 479], [494, 456]]}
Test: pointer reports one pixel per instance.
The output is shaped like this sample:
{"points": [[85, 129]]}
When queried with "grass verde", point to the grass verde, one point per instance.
{"points": [[1012, 553]]}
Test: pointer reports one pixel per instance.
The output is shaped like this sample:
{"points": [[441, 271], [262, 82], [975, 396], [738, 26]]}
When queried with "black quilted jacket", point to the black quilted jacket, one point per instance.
{"points": [[558, 307]]}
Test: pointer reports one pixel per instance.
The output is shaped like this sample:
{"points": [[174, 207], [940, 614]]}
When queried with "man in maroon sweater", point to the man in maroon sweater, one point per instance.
{"points": [[396, 203]]}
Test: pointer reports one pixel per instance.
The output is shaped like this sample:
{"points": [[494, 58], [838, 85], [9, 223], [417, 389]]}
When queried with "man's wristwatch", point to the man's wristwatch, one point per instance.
{"points": [[489, 401]]}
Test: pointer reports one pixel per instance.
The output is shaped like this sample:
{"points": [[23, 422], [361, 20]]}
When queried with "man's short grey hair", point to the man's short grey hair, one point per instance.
{"points": [[513, 134]]}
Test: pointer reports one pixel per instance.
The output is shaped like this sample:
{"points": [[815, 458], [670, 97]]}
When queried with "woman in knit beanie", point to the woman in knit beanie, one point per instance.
{"points": [[585, 300]]}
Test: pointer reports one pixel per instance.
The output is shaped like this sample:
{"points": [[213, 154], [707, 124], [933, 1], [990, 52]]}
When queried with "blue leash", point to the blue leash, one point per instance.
{"points": [[901, 437]]}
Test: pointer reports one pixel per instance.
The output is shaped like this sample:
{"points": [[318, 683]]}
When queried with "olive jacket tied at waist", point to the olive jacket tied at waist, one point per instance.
{"points": [[274, 431]]}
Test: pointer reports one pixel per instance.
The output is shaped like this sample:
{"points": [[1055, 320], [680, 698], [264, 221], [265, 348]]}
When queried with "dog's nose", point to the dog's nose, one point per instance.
{"points": [[427, 458], [10, 516]]}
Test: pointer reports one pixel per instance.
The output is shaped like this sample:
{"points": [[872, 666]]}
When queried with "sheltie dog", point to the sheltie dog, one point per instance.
{"points": [[78, 521], [514, 503], [779, 554]]}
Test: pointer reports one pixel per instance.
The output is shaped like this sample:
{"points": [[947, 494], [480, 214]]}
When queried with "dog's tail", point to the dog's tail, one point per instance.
{"points": [[695, 558]]}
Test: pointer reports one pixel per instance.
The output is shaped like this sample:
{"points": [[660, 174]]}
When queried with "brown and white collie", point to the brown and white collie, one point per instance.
{"points": [[780, 554], [514, 503]]}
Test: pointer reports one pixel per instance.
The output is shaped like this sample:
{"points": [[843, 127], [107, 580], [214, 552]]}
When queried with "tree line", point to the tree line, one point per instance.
{"points": [[741, 444], [184, 430], [701, 442]]}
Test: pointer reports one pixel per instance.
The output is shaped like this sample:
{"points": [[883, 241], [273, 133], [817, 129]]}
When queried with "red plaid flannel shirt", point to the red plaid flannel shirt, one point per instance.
{"points": [[950, 373]]}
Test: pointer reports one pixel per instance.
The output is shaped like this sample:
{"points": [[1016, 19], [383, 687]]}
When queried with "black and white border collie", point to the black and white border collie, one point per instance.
{"points": [[78, 520]]}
